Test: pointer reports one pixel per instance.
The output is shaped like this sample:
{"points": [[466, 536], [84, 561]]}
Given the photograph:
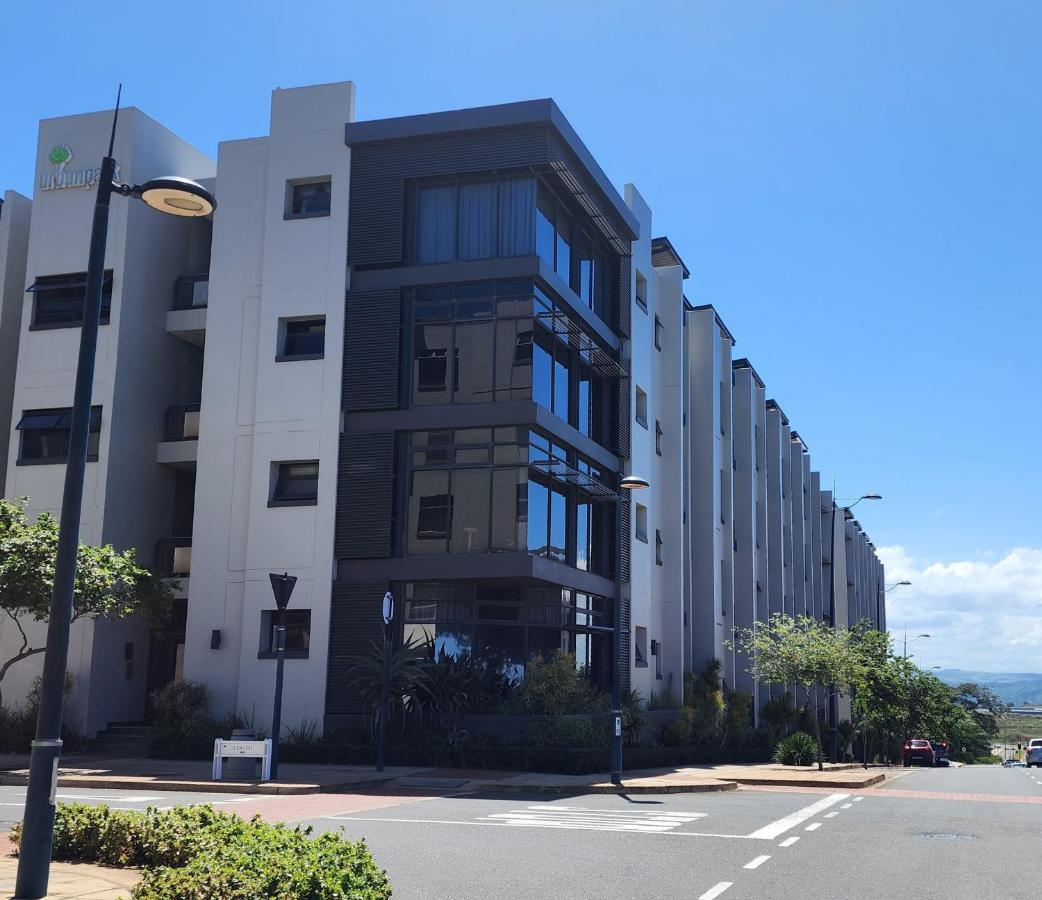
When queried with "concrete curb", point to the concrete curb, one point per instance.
{"points": [[203, 787], [839, 783], [703, 787]]}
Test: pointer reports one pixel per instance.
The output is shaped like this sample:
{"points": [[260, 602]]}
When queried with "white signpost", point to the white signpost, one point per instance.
{"points": [[223, 750]]}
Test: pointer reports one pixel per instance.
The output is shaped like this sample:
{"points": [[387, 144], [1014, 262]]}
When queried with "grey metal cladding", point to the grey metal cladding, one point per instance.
{"points": [[623, 318], [365, 496], [624, 538], [625, 640], [379, 172], [623, 416], [372, 346], [354, 621]]}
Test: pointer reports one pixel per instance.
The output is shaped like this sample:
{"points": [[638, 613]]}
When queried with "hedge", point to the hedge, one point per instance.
{"points": [[555, 760], [193, 852]]}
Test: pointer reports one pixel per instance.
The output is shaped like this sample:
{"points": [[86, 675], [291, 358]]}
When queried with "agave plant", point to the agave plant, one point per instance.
{"points": [[410, 683]]}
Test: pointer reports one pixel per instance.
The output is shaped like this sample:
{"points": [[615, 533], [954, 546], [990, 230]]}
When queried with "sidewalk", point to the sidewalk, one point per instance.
{"points": [[192, 776], [70, 880]]}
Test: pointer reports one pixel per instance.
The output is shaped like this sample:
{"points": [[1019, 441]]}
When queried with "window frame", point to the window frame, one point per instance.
{"points": [[659, 330], [283, 335], [274, 500], [640, 297], [61, 412], [640, 647], [640, 523], [269, 620], [36, 289], [640, 409], [292, 184]]}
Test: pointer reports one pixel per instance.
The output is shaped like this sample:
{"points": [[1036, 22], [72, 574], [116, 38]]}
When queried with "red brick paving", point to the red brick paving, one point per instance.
{"points": [[6, 847], [294, 808]]}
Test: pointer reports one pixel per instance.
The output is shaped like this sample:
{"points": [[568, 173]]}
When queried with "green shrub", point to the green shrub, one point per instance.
{"points": [[182, 726], [778, 715], [702, 692], [798, 749], [678, 732], [195, 852], [18, 725], [737, 719], [553, 686], [632, 717], [560, 731]]}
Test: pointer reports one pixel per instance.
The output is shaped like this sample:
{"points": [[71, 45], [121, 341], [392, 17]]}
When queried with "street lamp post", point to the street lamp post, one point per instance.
{"points": [[833, 710], [178, 197], [629, 483], [282, 587], [880, 591], [385, 688]]}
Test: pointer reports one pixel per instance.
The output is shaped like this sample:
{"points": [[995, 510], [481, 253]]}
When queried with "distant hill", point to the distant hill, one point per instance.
{"points": [[1012, 687]]}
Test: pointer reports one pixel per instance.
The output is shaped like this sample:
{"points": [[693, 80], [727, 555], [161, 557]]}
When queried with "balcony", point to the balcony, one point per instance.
{"points": [[174, 561], [187, 317], [180, 445]]}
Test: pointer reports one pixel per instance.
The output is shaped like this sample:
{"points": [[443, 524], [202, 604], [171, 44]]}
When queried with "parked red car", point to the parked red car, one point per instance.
{"points": [[919, 752]]}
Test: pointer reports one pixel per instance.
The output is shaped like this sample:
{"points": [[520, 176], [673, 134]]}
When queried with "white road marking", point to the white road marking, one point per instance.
{"points": [[716, 890], [756, 863], [858, 799], [831, 815], [788, 842], [775, 829], [593, 819], [487, 824], [106, 799], [814, 826], [846, 806]]}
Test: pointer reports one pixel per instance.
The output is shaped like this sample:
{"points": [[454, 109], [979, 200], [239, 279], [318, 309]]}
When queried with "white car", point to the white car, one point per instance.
{"points": [[1033, 757]]}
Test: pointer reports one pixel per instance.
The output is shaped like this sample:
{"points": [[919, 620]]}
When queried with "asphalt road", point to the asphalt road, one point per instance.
{"points": [[939, 833]]}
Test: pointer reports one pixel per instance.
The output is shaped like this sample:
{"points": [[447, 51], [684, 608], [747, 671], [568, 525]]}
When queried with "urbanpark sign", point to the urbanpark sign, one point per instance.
{"points": [[62, 177]]}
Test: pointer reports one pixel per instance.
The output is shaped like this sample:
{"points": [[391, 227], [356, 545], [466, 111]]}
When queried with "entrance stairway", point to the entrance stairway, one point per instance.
{"points": [[123, 739]]}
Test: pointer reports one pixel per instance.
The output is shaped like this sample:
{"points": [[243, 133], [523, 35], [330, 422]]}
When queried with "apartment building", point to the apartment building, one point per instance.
{"points": [[15, 212], [413, 354]]}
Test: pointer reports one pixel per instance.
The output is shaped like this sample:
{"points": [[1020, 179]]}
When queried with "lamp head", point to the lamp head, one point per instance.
{"points": [[905, 583], [633, 483], [872, 496], [282, 587], [177, 196], [388, 608]]}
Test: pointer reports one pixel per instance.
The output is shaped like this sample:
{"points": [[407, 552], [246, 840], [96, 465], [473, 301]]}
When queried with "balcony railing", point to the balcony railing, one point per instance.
{"points": [[182, 423], [192, 292], [174, 557]]}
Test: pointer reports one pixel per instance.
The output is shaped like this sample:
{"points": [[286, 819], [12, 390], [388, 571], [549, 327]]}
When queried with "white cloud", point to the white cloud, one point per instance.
{"points": [[983, 614]]}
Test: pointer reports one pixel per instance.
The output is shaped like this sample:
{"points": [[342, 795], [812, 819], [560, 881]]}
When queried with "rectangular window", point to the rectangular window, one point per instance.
{"points": [[302, 339], [307, 198], [298, 633], [45, 436], [59, 300], [436, 215], [516, 217], [477, 220], [641, 523], [640, 647], [294, 483], [658, 546], [658, 333], [642, 292], [658, 437], [641, 412]]}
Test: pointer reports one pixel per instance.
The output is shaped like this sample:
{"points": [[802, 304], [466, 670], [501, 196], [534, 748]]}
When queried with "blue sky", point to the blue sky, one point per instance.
{"points": [[857, 187]]}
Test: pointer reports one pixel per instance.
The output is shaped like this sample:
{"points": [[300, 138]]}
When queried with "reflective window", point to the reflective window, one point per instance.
{"points": [[436, 233], [310, 198], [295, 483], [44, 435], [303, 338], [58, 300]]}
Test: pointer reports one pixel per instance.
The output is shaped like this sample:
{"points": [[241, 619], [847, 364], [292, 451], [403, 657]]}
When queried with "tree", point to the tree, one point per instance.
{"points": [[984, 705], [800, 651], [109, 583]]}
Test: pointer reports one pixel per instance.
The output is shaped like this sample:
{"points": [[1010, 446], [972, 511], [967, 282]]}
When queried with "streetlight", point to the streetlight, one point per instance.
{"points": [[176, 196], [912, 641], [388, 617], [628, 483], [282, 587], [833, 699]]}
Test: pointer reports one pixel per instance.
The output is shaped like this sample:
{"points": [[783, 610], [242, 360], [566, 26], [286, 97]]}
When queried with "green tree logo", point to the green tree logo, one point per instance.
{"points": [[60, 155]]}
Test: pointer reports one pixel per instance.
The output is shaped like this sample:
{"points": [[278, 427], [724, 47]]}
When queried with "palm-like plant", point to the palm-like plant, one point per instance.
{"points": [[410, 682]]}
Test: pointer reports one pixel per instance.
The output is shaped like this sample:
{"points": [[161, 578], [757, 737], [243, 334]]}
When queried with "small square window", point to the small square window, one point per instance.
{"points": [[641, 523], [658, 546], [298, 633], [301, 339], [640, 647], [658, 333], [295, 483], [308, 197], [642, 292], [642, 408]]}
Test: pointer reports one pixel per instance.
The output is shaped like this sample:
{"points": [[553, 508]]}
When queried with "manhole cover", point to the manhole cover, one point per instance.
{"points": [[949, 836]]}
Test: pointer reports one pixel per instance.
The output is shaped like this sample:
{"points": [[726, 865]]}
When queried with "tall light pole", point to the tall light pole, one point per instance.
{"points": [[282, 587], [833, 698], [179, 197], [385, 688], [627, 484], [912, 641]]}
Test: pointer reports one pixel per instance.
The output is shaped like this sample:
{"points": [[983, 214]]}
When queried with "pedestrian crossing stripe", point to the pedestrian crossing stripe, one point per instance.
{"points": [[577, 817]]}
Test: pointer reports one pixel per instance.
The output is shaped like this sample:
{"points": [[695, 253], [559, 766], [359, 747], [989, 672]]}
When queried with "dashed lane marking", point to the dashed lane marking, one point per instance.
{"points": [[858, 799], [814, 826], [831, 815], [716, 890], [778, 828], [789, 841], [756, 863], [846, 805]]}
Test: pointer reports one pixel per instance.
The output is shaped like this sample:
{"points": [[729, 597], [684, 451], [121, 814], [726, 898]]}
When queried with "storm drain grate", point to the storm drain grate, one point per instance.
{"points": [[949, 836]]}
